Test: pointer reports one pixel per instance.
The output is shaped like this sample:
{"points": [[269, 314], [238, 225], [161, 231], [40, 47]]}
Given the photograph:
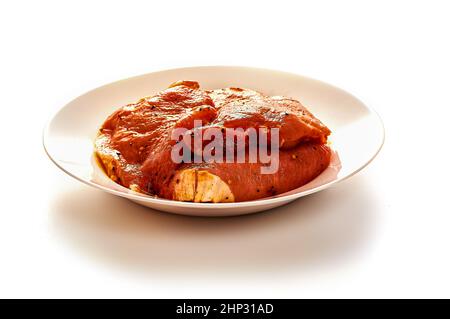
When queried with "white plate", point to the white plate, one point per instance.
{"points": [[357, 131]]}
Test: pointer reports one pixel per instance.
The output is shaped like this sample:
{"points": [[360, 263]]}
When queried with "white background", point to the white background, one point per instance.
{"points": [[383, 233]]}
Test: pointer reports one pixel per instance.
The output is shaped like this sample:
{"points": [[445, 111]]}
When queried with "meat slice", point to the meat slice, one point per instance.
{"points": [[246, 108], [134, 143], [229, 182]]}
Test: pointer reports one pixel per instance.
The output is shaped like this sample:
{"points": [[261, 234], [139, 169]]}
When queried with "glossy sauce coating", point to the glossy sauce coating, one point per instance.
{"points": [[136, 139]]}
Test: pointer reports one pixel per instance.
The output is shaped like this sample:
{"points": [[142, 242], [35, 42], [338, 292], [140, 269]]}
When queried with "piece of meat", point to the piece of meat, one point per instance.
{"points": [[136, 139], [246, 108], [134, 144], [244, 181]]}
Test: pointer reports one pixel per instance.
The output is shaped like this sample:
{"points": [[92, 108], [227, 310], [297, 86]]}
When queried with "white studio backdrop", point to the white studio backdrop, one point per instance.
{"points": [[382, 233]]}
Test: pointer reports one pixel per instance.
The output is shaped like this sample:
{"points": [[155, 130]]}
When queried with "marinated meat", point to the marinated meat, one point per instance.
{"points": [[137, 137], [247, 108], [244, 181], [135, 142]]}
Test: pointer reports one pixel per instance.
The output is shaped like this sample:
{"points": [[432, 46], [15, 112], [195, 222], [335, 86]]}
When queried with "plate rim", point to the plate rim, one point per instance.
{"points": [[252, 203]]}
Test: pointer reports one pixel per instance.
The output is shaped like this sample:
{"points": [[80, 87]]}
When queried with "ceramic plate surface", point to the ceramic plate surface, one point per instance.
{"points": [[357, 131]]}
